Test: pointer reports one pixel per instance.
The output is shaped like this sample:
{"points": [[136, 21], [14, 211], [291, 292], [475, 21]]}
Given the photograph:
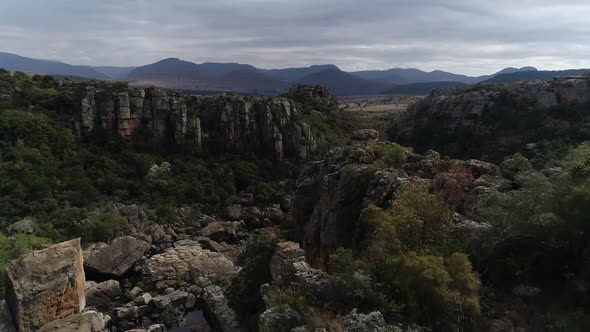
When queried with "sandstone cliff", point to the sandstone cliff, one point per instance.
{"points": [[224, 122]]}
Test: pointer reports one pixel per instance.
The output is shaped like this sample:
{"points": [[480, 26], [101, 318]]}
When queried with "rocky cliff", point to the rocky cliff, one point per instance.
{"points": [[459, 120], [332, 193], [224, 122]]}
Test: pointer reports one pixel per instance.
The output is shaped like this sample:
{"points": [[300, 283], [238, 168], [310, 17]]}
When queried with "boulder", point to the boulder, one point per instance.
{"points": [[234, 212], [25, 226], [46, 285], [218, 310], [365, 135], [371, 322], [103, 295], [185, 262], [89, 321], [274, 320], [116, 259]]}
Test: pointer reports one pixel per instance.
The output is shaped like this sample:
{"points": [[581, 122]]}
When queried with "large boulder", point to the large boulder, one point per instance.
{"points": [[46, 285], [275, 320], [116, 259], [89, 321], [185, 262], [25, 226]]}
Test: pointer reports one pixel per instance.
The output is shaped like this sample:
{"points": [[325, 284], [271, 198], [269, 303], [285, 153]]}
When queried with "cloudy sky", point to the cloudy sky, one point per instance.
{"points": [[463, 36]]}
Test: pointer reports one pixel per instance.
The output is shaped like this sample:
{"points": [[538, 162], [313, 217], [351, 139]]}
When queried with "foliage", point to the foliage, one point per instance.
{"points": [[101, 227], [285, 299], [14, 247], [392, 155], [244, 292]]}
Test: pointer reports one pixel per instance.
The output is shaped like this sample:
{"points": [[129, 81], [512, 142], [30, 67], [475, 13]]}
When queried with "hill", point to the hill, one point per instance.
{"points": [[343, 83], [15, 62], [543, 75]]}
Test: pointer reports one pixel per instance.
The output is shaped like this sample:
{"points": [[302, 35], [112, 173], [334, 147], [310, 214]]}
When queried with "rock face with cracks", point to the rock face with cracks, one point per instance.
{"points": [[46, 285]]}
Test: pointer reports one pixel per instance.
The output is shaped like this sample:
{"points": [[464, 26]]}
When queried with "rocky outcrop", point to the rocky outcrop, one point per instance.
{"points": [[102, 295], [184, 263], [331, 193], [470, 121], [358, 322], [115, 259], [46, 285], [319, 97], [225, 122]]}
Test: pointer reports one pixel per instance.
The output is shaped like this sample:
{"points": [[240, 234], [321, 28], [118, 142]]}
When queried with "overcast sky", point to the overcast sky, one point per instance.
{"points": [[462, 36]]}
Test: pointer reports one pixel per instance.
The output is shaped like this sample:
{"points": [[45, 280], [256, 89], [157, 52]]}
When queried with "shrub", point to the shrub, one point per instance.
{"points": [[101, 227], [321, 319], [393, 155]]}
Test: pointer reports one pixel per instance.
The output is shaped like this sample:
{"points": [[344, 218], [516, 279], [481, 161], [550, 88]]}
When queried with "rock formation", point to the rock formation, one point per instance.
{"points": [[225, 122], [331, 193], [46, 285], [472, 121], [185, 262]]}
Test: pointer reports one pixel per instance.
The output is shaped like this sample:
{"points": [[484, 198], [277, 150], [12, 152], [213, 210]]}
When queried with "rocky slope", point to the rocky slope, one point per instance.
{"points": [[225, 122]]}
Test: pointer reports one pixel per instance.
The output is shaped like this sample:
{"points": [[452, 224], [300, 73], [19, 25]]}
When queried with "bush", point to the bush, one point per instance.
{"points": [[101, 227], [392, 155], [14, 247]]}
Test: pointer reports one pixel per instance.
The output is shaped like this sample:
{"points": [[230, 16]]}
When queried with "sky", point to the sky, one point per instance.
{"points": [[463, 36]]}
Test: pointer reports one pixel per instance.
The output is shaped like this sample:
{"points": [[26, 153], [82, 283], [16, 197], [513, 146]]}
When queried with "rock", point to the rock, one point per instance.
{"points": [[6, 323], [526, 291], [371, 322], [234, 212], [146, 298], [118, 257], [284, 264], [191, 301], [176, 298], [479, 168], [89, 321], [103, 294], [214, 230], [46, 285], [365, 135], [25, 226], [274, 320], [218, 310], [135, 291], [185, 262]]}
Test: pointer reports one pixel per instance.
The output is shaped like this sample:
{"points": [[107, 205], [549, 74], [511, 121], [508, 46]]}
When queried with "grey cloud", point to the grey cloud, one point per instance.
{"points": [[472, 37]]}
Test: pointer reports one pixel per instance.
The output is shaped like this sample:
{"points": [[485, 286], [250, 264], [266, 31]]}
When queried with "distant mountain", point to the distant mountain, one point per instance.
{"points": [[15, 62], [220, 69], [117, 73], [166, 67], [343, 83], [289, 75], [541, 75], [412, 75], [421, 88]]}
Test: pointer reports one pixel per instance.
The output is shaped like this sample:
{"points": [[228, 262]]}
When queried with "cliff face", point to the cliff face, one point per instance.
{"points": [[459, 121], [225, 122]]}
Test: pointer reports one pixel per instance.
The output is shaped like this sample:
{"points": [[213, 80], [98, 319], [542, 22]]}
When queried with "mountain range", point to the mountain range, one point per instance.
{"points": [[174, 73]]}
